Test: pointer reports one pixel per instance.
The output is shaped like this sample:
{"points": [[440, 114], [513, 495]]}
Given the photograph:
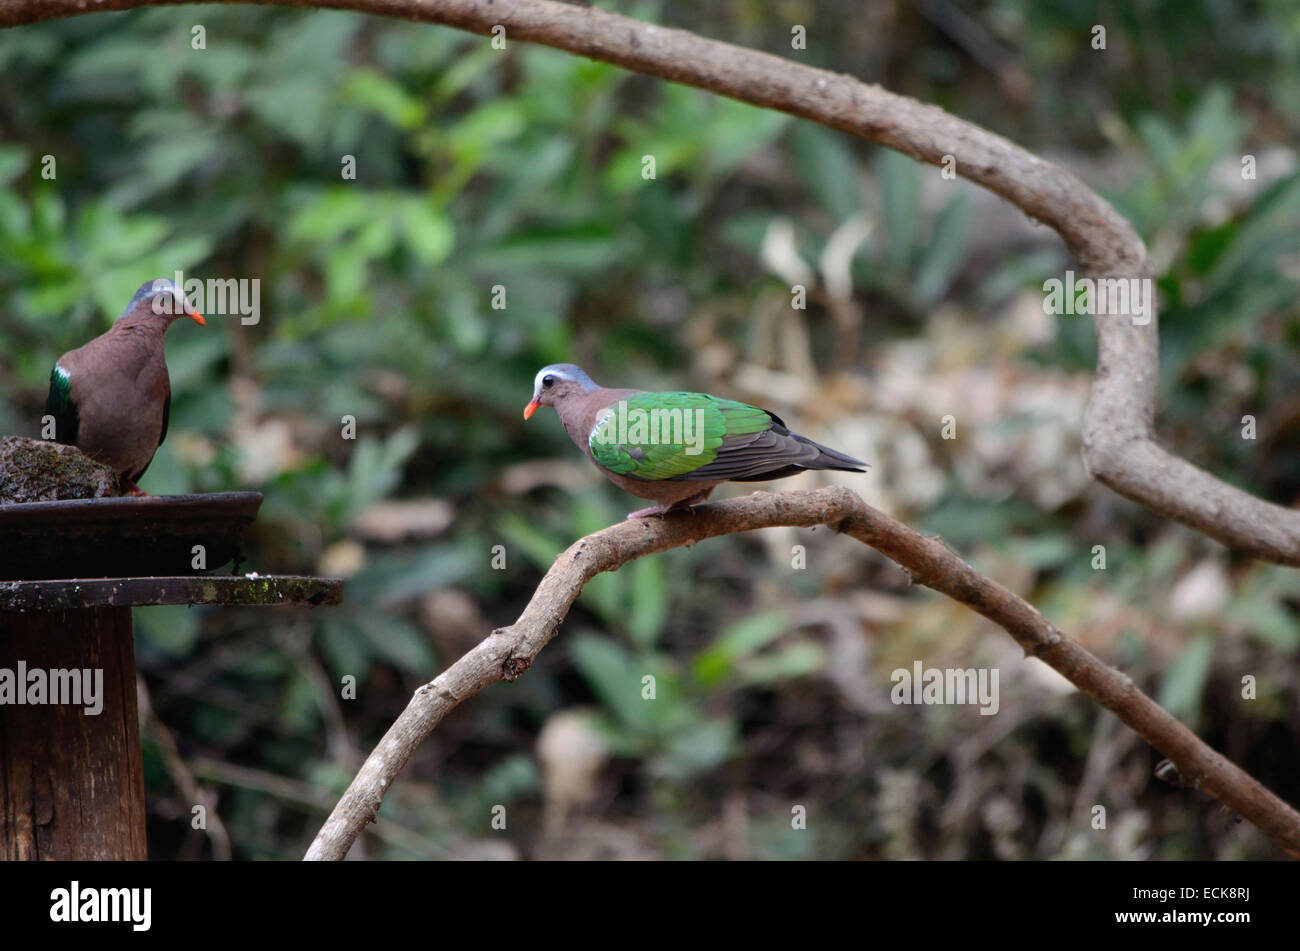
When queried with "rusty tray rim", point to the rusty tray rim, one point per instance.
{"points": [[251, 589], [216, 505]]}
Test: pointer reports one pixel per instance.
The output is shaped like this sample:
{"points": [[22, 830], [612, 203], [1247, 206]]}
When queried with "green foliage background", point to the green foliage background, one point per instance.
{"points": [[522, 168]]}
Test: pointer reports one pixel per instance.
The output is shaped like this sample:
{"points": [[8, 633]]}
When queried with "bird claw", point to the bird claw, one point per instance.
{"points": [[130, 488], [681, 505], [648, 512]]}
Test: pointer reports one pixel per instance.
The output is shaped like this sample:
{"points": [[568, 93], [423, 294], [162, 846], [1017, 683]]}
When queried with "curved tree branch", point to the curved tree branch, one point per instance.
{"points": [[509, 651], [1119, 441]]}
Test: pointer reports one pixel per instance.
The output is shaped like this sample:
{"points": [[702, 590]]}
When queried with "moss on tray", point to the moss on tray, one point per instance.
{"points": [[33, 470]]}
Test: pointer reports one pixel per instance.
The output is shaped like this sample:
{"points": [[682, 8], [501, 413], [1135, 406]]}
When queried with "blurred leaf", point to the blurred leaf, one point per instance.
{"points": [[650, 601], [1045, 551], [579, 250], [428, 232], [399, 642], [376, 468], [389, 580], [383, 96], [540, 549], [1264, 617], [508, 781], [698, 749], [746, 637], [298, 710], [787, 663], [172, 629], [1184, 681], [943, 256], [347, 651], [329, 215], [614, 678], [13, 162], [828, 169], [900, 194]]}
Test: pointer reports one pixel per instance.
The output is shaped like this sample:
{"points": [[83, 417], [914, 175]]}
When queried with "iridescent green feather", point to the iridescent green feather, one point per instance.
{"points": [[657, 436], [59, 404]]}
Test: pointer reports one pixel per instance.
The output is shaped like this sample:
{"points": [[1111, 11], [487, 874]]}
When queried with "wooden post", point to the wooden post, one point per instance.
{"points": [[71, 780]]}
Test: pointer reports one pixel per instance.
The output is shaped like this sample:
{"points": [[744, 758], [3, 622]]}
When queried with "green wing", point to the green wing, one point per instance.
{"points": [[655, 436], [60, 405]]}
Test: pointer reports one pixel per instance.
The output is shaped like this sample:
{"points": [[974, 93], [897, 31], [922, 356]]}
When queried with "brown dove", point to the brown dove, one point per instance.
{"points": [[111, 397]]}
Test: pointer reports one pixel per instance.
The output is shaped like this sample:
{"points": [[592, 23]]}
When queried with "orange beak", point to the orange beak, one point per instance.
{"points": [[195, 316], [531, 408]]}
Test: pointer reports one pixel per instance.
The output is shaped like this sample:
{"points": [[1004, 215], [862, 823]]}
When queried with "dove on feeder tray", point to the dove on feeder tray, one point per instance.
{"points": [[675, 448], [111, 397]]}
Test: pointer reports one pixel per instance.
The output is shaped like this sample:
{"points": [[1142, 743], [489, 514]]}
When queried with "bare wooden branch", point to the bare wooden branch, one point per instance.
{"points": [[1119, 441], [509, 651]]}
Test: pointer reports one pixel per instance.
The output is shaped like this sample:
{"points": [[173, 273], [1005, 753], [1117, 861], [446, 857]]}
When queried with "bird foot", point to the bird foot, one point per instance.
{"points": [[130, 488], [685, 503], [648, 512]]}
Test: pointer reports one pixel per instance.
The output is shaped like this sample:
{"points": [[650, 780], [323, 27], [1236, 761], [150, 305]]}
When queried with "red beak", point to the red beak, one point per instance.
{"points": [[531, 408], [195, 316]]}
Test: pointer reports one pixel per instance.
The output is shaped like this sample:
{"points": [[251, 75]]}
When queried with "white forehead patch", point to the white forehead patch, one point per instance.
{"points": [[176, 304], [545, 372], [169, 300]]}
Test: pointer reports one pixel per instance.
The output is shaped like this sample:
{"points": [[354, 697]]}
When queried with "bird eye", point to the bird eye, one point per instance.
{"points": [[548, 382]]}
